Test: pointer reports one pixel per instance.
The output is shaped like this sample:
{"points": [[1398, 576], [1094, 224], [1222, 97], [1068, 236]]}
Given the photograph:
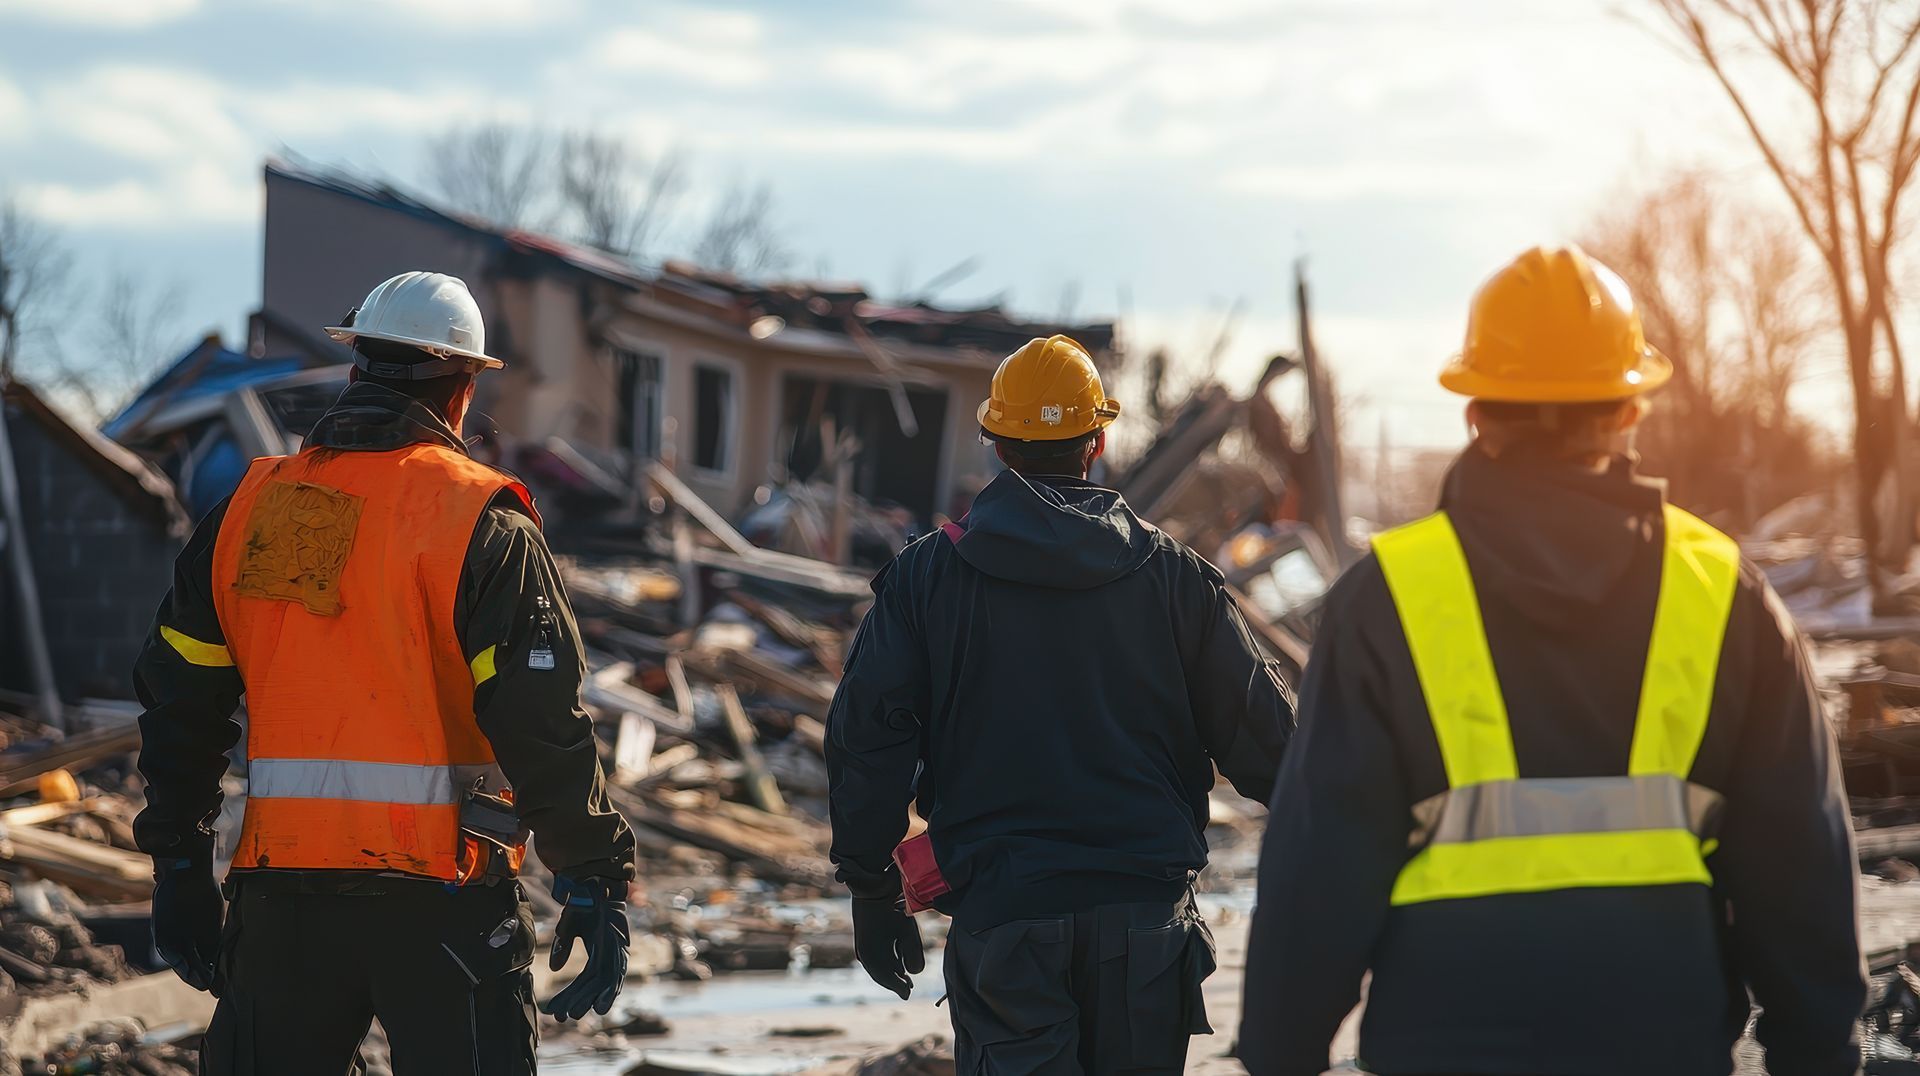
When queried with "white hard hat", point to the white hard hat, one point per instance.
{"points": [[431, 311]]}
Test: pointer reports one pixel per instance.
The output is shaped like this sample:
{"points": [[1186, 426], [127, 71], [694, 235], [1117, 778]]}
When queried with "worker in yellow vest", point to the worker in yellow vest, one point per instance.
{"points": [[1562, 783]]}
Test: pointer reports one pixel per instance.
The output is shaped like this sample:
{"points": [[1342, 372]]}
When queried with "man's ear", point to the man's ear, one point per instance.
{"points": [[1096, 450]]}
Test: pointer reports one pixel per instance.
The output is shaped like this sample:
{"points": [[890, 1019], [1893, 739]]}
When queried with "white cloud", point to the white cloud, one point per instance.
{"points": [[116, 14], [705, 48], [15, 115], [312, 109], [452, 17], [151, 114], [199, 194]]}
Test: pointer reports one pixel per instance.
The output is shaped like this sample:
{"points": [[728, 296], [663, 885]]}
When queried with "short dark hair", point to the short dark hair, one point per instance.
{"points": [[1562, 430], [436, 392], [1046, 457]]}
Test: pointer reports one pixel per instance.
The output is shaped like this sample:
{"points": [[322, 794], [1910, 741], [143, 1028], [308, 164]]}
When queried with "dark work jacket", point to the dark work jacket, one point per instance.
{"points": [[541, 738], [1062, 681], [1642, 980]]}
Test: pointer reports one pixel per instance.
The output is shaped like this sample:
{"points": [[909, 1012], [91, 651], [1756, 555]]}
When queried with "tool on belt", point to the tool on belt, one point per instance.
{"points": [[493, 841]]}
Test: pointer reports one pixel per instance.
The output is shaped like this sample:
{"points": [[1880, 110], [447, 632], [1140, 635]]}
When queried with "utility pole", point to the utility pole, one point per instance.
{"points": [[32, 624], [1323, 440]]}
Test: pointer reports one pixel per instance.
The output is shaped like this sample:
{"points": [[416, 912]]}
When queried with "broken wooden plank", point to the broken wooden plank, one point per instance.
{"points": [[760, 783], [39, 814], [1284, 644], [773, 858], [682, 691], [608, 689], [19, 775], [88, 868], [797, 685], [696, 506]]}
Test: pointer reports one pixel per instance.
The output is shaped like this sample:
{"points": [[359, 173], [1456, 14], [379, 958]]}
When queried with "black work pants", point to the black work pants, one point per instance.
{"points": [[1097, 993], [303, 973]]}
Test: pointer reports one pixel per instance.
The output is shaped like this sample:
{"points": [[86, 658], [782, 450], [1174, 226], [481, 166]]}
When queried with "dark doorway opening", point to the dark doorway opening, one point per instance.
{"points": [[892, 467]]}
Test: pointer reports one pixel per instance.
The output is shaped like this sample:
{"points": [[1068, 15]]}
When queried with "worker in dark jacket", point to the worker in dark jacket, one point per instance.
{"points": [[1053, 682], [412, 672], [1562, 783]]}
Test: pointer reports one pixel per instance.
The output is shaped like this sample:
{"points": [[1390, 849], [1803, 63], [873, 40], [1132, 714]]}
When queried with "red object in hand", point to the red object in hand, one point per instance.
{"points": [[920, 877]]}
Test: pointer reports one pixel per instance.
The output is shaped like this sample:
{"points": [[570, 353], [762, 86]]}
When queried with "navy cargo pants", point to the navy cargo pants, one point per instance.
{"points": [[1114, 990]]}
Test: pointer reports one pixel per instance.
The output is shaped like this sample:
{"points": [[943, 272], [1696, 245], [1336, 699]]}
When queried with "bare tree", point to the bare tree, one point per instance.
{"points": [[134, 326], [500, 173], [617, 198], [1845, 159], [33, 275], [1726, 291], [740, 236]]}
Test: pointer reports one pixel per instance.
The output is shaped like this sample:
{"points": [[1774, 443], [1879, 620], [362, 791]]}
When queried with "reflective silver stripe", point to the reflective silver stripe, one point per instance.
{"points": [[334, 779], [1546, 806]]}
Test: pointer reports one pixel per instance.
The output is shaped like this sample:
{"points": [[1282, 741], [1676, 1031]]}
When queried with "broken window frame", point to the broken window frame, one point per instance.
{"points": [[726, 450], [629, 436]]}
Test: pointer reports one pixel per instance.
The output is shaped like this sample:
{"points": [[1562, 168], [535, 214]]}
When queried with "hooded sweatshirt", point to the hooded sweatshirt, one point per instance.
{"points": [[1055, 689], [1644, 980]]}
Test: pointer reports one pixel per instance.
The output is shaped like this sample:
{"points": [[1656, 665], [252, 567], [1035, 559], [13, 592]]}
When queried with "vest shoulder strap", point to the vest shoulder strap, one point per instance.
{"points": [[1699, 573], [1426, 572]]}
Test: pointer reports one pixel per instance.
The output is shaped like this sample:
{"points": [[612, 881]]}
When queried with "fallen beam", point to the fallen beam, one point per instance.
{"points": [[21, 774]]}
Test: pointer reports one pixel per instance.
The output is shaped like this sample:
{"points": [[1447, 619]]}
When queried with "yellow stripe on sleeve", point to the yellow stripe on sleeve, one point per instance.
{"points": [[482, 666], [195, 651]]}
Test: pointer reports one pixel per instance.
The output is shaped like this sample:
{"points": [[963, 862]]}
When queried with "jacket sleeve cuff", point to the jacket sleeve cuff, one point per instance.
{"points": [[612, 870], [870, 885]]}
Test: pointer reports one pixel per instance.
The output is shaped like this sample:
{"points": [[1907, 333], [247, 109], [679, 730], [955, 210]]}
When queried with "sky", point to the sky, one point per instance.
{"points": [[1163, 161]]}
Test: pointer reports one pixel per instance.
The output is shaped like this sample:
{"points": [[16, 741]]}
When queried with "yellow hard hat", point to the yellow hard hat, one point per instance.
{"points": [[1048, 390], [1555, 326]]}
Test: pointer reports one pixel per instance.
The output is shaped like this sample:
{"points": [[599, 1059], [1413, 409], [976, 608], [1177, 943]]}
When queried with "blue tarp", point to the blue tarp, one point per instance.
{"points": [[207, 370]]}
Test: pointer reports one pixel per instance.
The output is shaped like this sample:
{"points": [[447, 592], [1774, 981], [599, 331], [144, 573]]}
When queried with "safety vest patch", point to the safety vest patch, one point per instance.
{"points": [[298, 538]]}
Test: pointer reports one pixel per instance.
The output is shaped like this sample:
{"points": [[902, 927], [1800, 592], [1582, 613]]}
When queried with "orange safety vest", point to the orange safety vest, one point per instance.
{"points": [[334, 579]]}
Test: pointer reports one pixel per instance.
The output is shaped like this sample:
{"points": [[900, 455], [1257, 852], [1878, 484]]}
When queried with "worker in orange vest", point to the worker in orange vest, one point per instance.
{"points": [[412, 673]]}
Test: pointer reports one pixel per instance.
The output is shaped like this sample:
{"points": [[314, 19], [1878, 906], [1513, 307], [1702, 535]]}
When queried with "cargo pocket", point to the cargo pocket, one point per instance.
{"points": [[1165, 1007], [501, 1020], [1013, 1010]]}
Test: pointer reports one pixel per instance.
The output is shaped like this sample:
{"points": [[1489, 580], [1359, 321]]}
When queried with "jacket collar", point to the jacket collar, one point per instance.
{"points": [[373, 418]]}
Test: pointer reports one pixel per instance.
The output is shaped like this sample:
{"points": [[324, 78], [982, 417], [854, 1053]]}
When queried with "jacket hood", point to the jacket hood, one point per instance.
{"points": [[1053, 532], [1556, 540], [374, 418]]}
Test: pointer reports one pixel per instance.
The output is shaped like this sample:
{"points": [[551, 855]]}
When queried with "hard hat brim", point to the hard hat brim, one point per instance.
{"points": [[1009, 429], [347, 334], [1652, 371]]}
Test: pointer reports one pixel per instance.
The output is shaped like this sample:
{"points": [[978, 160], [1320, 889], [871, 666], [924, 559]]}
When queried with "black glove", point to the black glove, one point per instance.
{"points": [[595, 912], [186, 919], [887, 941]]}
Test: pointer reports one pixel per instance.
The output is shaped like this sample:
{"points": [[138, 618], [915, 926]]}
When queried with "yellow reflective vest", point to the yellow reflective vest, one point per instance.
{"points": [[1493, 831]]}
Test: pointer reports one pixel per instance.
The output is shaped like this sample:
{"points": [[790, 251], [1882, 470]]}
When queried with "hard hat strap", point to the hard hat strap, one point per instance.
{"points": [[425, 370]]}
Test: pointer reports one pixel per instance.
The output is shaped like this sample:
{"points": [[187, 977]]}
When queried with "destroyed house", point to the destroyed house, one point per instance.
{"points": [[214, 410], [101, 529], [734, 385]]}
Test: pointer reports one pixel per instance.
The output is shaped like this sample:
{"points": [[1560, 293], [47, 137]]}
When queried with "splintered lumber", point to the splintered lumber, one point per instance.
{"points": [[794, 631], [760, 783], [608, 689], [810, 732], [694, 505], [86, 867], [18, 776], [1284, 644], [770, 855], [682, 691], [784, 681], [39, 814]]}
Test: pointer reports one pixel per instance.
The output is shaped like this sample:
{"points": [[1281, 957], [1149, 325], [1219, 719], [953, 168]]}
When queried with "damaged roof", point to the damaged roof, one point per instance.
{"points": [[833, 307], [137, 482]]}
